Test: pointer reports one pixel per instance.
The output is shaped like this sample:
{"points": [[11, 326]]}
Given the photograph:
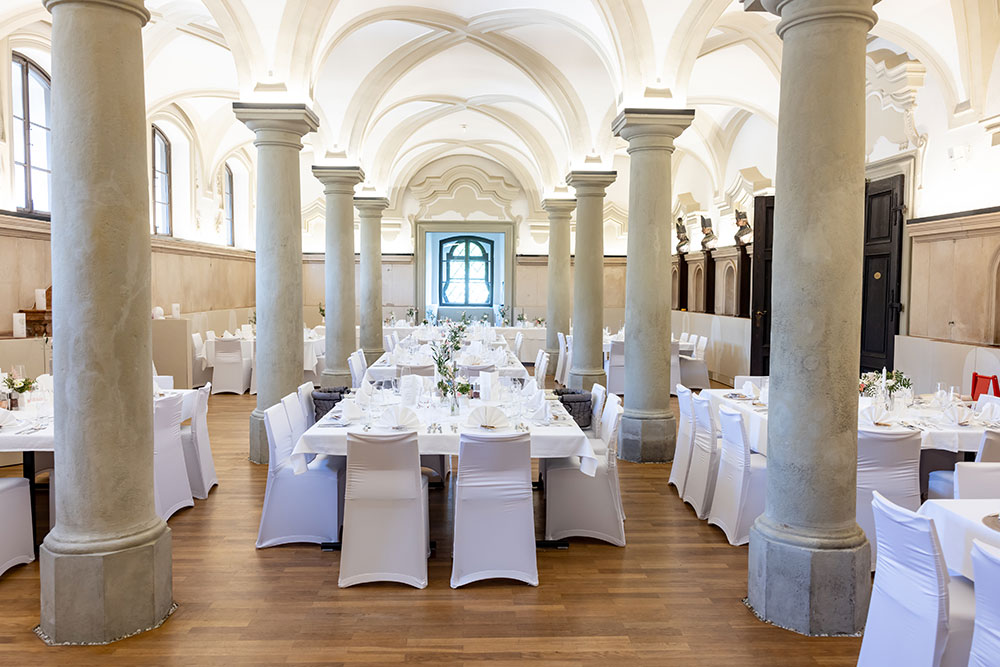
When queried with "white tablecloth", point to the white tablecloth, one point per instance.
{"points": [[958, 522], [534, 338], [933, 435], [562, 438], [44, 440], [382, 369]]}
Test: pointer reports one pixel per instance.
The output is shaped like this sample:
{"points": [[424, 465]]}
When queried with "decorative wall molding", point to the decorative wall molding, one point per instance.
{"points": [[465, 192], [894, 80], [962, 226], [747, 184]]}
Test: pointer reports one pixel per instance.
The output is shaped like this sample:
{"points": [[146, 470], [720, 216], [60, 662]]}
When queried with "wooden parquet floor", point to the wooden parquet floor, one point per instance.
{"points": [[671, 597]]}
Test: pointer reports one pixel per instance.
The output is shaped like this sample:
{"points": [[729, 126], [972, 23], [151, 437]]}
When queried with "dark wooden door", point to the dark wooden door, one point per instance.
{"points": [[760, 301], [880, 290]]}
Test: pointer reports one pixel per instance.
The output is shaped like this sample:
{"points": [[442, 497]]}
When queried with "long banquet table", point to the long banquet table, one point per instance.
{"points": [[958, 522], [384, 369], [933, 434]]}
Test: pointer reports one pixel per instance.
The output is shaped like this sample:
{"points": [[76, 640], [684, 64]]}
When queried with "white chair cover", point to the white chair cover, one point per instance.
{"points": [[685, 441], [699, 489], [200, 373], [198, 450], [357, 373], [171, 488], [518, 344], [385, 512], [701, 347], [541, 368], [579, 505], [742, 482], [494, 519], [569, 361], [426, 370], [298, 508], [684, 337], [362, 360], [561, 361], [693, 371], [473, 371], [395, 339], [977, 480], [309, 358], [305, 392], [888, 462], [387, 343], [616, 368], [675, 364], [917, 616], [986, 636], [15, 523], [296, 418], [231, 373], [941, 483]]}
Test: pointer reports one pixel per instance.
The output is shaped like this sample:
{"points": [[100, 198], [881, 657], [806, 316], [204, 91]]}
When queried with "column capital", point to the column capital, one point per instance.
{"points": [[559, 208], [651, 128], [797, 12], [284, 119], [590, 183], [371, 206], [137, 7], [338, 179]]}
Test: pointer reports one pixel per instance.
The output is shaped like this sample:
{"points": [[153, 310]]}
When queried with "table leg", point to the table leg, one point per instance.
{"points": [[28, 469]]}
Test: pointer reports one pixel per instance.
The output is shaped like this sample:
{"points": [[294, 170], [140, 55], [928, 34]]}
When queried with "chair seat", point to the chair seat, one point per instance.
{"points": [[961, 622], [941, 485]]}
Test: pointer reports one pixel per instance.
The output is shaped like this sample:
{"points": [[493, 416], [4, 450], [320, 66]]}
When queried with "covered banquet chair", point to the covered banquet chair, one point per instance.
{"points": [[197, 449], [304, 507], [703, 470], [16, 545], [685, 440], [977, 481], [561, 360], [986, 634], [171, 488], [919, 616], [742, 481], [494, 516], [941, 483], [615, 367], [385, 511], [231, 373]]}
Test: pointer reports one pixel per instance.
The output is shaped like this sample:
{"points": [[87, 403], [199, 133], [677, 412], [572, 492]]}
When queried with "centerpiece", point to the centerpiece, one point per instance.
{"points": [[502, 311], [411, 315], [882, 386], [450, 384], [18, 386]]}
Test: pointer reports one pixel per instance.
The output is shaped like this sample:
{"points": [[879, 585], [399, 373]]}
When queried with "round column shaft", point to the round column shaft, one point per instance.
{"points": [[106, 566], [649, 429], [338, 186], [558, 301], [588, 278], [809, 562], [278, 133], [370, 211]]}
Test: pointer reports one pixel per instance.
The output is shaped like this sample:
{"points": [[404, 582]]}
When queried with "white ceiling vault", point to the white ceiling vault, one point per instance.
{"points": [[412, 90]]}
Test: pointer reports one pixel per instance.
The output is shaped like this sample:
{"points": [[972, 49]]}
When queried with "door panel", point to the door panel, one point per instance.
{"points": [[882, 279], [760, 307]]}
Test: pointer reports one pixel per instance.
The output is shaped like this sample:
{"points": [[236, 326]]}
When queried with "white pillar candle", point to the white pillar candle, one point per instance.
{"points": [[175, 311], [20, 327], [40, 299]]}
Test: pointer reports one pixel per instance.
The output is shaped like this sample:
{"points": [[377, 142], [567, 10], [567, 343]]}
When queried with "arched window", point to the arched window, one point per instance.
{"points": [[160, 223], [31, 92], [466, 271], [227, 205]]}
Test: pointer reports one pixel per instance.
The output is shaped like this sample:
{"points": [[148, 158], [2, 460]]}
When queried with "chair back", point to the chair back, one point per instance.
{"points": [[359, 354], [705, 429], [210, 335], [228, 351], [44, 382], [541, 369], [986, 636], [279, 435], [888, 462], [989, 448], [561, 359], [608, 418], [612, 426], [167, 413], [909, 610], [305, 394], [618, 353], [355, 367], [423, 371], [684, 337], [701, 347], [977, 481], [734, 445], [296, 418], [982, 384], [387, 343], [473, 371], [486, 460], [395, 338], [518, 343], [383, 467], [199, 424], [675, 361], [598, 394], [198, 343], [320, 331]]}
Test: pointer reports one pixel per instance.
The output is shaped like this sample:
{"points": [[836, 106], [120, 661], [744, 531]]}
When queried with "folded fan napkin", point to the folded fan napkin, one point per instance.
{"points": [[990, 411], [874, 415], [751, 390], [470, 359], [400, 418], [956, 415], [7, 417], [489, 417]]}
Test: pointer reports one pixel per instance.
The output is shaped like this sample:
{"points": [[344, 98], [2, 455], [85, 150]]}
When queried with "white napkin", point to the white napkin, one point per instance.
{"points": [[409, 389], [488, 382], [751, 390], [364, 394], [7, 417], [956, 415], [226, 334], [488, 416], [537, 400], [470, 359], [990, 411], [874, 415], [763, 396], [529, 388], [400, 418], [351, 411], [544, 413]]}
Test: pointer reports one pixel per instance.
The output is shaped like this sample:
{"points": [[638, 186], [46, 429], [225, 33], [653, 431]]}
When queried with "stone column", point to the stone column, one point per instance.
{"points": [[808, 559], [558, 304], [105, 567], [588, 278], [649, 430], [370, 211], [279, 129], [338, 186]]}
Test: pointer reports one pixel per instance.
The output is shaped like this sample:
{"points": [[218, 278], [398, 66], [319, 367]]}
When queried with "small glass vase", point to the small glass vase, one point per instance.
{"points": [[453, 403]]}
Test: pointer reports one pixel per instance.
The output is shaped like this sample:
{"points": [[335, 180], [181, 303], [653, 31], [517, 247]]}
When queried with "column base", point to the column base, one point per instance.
{"points": [[586, 379], [259, 452], [99, 598], [335, 378], [648, 439], [812, 590], [372, 354]]}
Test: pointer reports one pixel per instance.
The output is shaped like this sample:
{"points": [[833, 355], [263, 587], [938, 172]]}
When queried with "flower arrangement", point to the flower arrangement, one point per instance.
{"points": [[894, 381], [521, 319], [411, 314], [322, 310], [502, 311], [252, 317], [449, 383], [465, 319], [19, 385], [539, 321]]}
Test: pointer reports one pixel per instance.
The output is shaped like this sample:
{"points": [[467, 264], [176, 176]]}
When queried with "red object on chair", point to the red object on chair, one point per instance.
{"points": [[981, 385]]}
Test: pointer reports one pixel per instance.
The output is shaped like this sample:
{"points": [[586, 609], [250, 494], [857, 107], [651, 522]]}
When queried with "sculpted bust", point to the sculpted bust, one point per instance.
{"points": [[709, 235], [744, 232], [682, 237]]}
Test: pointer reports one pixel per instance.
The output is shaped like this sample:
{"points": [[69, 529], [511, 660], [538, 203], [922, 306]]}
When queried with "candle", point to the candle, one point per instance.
{"points": [[40, 299], [20, 327], [175, 311]]}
